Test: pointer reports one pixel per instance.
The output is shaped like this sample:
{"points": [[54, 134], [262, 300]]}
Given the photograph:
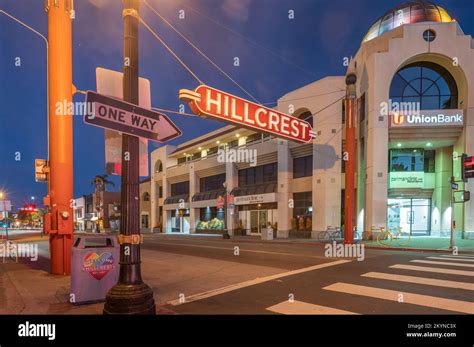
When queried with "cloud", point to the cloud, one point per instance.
{"points": [[237, 9]]}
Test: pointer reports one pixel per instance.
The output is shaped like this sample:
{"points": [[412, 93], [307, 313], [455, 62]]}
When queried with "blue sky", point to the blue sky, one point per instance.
{"points": [[276, 56]]}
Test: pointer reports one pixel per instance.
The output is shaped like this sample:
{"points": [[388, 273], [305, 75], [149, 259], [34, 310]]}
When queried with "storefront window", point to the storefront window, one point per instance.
{"points": [[302, 211], [210, 218], [407, 160]]}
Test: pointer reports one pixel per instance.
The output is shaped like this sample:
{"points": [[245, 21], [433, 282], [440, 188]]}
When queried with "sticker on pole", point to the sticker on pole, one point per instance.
{"points": [[115, 114], [208, 101]]}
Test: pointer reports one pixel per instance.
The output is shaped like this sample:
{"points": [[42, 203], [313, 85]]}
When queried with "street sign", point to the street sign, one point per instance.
{"points": [[115, 114], [454, 186], [208, 101], [40, 173], [5, 205]]}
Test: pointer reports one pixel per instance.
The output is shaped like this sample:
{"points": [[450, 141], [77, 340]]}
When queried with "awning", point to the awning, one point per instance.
{"points": [[211, 195], [176, 199], [255, 189]]}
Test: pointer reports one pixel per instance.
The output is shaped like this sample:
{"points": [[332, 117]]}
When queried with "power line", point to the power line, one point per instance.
{"points": [[249, 40], [199, 51], [306, 97], [170, 50]]}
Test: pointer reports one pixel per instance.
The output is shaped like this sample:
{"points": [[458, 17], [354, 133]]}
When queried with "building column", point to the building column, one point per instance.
{"points": [[232, 181], [285, 192], [193, 189], [376, 183], [153, 202], [166, 192], [441, 209]]}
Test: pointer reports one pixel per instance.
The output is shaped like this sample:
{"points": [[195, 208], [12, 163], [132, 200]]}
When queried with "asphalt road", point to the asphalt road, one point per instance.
{"points": [[384, 282]]}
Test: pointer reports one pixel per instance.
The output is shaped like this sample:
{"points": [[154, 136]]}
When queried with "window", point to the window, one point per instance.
{"points": [[180, 188], [307, 116], [207, 184], [429, 35], [429, 161], [146, 197], [407, 160], [303, 167], [258, 175], [181, 160], [303, 210], [362, 108], [429, 85], [158, 166], [160, 191]]}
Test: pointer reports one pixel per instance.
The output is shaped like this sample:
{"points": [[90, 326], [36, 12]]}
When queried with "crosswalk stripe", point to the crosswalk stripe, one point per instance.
{"points": [[420, 280], [300, 307], [456, 256], [440, 263], [452, 259], [433, 269], [408, 298], [259, 280]]}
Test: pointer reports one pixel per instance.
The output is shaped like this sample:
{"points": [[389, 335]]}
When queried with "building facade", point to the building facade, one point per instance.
{"points": [[415, 118]]}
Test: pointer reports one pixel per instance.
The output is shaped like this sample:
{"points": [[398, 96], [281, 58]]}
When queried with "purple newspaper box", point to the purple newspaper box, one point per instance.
{"points": [[94, 267]]}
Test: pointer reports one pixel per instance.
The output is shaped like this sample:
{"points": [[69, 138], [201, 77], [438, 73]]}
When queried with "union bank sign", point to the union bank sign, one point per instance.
{"points": [[430, 118]]}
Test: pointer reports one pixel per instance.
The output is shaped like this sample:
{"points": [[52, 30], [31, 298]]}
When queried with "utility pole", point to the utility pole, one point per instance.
{"points": [[60, 183], [130, 295], [349, 197]]}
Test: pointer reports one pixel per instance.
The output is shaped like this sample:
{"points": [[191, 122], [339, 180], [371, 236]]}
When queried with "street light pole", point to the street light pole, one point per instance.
{"points": [[130, 295]]}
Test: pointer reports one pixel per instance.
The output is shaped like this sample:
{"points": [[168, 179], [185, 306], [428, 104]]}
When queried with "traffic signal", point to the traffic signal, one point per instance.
{"points": [[29, 207], [467, 169]]}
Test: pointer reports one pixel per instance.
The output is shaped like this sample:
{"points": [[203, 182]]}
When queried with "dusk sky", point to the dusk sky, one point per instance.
{"points": [[276, 54]]}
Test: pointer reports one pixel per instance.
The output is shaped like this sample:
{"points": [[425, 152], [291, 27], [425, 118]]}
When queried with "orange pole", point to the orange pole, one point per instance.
{"points": [[60, 187], [350, 171]]}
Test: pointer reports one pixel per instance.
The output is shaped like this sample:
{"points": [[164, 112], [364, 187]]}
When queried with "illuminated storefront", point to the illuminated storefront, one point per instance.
{"points": [[415, 97]]}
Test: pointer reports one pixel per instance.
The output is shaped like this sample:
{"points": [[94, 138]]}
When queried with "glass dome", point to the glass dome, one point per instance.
{"points": [[407, 13]]}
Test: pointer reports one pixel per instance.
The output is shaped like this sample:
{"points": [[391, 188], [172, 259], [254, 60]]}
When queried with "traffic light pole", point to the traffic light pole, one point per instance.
{"points": [[349, 198], [60, 183], [130, 295]]}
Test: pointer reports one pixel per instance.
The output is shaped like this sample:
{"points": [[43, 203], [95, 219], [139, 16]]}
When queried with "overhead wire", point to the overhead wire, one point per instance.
{"points": [[199, 51]]}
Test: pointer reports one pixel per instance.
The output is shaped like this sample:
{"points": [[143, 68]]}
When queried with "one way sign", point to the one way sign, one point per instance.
{"points": [[110, 113]]}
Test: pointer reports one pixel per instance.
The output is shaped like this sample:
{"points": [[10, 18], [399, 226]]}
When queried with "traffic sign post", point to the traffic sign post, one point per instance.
{"points": [[111, 113], [214, 103]]}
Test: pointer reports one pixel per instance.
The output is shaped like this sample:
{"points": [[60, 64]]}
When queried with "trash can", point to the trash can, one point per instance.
{"points": [[267, 234], [94, 267]]}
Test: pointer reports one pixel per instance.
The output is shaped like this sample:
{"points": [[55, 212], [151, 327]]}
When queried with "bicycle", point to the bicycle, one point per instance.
{"points": [[330, 234], [386, 237], [398, 236]]}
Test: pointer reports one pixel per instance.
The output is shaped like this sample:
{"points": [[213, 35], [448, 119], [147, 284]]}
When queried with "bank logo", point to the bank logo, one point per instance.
{"points": [[398, 119]]}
